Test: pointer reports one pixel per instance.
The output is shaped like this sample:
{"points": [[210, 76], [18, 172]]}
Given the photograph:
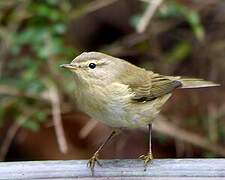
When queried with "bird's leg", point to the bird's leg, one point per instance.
{"points": [[94, 158], [147, 158]]}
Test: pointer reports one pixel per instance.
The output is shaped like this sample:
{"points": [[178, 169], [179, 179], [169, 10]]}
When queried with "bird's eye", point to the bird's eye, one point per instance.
{"points": [[92, 65]]}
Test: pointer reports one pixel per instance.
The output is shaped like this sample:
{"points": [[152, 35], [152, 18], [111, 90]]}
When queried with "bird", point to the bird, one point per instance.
{"points": [[122, 95]]}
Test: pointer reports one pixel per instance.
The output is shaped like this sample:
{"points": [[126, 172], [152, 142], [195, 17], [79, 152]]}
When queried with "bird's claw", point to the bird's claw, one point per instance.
{"points": [[92, 161], [147, 158]]}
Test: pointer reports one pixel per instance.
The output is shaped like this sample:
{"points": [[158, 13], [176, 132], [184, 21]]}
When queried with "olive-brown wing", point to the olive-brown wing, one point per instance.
{"points": [[148, 86]]}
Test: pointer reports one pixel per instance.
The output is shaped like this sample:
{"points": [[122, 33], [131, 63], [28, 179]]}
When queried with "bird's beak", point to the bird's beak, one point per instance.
{"points": [[68, 66]]}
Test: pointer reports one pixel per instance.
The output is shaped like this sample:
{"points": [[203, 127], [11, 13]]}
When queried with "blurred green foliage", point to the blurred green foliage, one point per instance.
{"points": [[179, 52], [33, 34], [173, 9]]}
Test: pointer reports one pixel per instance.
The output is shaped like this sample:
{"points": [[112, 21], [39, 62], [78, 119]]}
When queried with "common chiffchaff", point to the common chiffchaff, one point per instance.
{"points": [[122, 95]]}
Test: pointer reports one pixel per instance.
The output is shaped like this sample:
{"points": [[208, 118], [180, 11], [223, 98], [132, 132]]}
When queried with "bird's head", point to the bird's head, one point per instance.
{"points": [[95, 67]]}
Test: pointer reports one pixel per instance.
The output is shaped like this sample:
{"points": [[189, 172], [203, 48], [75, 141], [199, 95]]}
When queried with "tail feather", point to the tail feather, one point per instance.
{"points": [[196, 83]]}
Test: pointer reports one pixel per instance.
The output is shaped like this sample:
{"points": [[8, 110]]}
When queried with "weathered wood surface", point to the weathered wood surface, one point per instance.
{"points": [[115, 169]]}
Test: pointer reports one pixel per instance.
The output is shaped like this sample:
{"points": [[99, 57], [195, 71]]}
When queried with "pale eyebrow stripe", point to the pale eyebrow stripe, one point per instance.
{"points": [[97, 62]]}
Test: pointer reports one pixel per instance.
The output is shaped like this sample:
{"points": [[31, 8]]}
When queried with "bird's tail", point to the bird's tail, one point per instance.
{"points": [[196, 83]]}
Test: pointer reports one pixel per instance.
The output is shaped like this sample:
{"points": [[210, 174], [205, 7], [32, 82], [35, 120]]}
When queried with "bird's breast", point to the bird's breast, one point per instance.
{"points": [[108, 104]]}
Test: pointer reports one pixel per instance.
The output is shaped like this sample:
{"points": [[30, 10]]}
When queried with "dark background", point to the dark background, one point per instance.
{"points": [[184, 37]]}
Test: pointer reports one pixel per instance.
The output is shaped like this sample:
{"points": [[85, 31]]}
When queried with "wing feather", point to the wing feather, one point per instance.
{"points": [[147, 85]]}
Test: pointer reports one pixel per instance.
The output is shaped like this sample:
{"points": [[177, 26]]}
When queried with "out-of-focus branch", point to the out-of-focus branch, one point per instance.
{"points": [[57, 120], [212, 123], [93, 6], [98, 4], [11, 133], [88, 127], [12, 27], [146, 18], [12, 91], [163, 126]]}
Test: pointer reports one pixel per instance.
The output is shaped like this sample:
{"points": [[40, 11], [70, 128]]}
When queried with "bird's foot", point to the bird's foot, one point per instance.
{"points": [[92, 161], [146, 158]]}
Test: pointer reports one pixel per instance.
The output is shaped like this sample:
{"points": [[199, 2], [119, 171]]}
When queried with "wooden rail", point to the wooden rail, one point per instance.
{"points": [[115, 169]]}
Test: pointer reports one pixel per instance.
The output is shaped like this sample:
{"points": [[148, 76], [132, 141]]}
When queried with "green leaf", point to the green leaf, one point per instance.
{"points": [[43, 10], [194, 20], [33, 126], [59, 28], [41, 116], [179, 52], [52, 47], [174, 9], [135, 20], [28, 123]]}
